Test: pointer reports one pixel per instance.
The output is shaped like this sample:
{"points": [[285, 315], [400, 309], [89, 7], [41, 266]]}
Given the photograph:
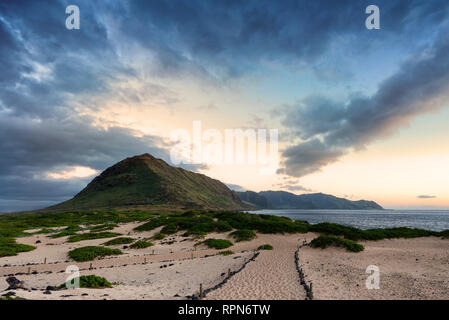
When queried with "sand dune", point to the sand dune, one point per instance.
{"points": [[174, 269]]}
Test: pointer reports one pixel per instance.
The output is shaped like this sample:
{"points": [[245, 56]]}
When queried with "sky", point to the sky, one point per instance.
{"points": [[360, 113]]}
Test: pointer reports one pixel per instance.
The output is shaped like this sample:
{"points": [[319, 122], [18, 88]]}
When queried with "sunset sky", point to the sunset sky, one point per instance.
{"points": [[361, 113]]}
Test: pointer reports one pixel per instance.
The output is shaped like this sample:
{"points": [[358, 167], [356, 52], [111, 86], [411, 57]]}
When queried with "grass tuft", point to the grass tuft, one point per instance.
{"points": [[141, 244], [226, 252], [324, 241], [243, 235], [9, 247], [158, 236], [90, 281], [265, 247], [91, 252], [117, 241], [92, 236], [218, 243]]}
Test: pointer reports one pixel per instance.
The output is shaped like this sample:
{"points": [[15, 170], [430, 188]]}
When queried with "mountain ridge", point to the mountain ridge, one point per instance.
{"points": [[288, 200]]}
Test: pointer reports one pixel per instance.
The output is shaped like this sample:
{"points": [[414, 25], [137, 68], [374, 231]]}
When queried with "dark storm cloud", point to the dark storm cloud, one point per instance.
{"points": [[332, 129], [47, 71], [232, 36]]}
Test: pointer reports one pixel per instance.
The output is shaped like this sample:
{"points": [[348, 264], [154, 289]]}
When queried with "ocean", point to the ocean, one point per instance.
{"points": [[436, 220]]}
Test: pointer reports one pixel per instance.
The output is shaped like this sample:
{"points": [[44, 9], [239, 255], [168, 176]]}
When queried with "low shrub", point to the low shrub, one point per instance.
{"points": [[91, 252], [117, 241], [158, 236], [141, 244], [226, 252], [265, 247], [92, 236], [152, 224], [9, 247], [103, 227], [90, 281], [218, 243], [324, 241], [243, 235], [169, 229], [69, 231]]}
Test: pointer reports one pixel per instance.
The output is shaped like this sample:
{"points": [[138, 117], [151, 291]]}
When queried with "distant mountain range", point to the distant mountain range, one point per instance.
{"points": [[146, 181], [287, 200]]}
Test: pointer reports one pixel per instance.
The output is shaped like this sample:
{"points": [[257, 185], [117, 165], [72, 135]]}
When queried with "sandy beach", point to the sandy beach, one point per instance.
{"points": [[174, 268], [409, 269]]}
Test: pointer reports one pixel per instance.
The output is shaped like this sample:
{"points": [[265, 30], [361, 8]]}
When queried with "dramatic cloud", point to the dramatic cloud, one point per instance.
{"points": [[53, 80], [330, 129]]}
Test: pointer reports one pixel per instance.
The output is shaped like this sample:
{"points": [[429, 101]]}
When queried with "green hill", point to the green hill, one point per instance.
{"points": [[146, 181]]}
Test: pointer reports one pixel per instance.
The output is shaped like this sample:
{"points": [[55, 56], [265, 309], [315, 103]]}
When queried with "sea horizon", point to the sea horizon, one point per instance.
{"points": [[435, 220]]}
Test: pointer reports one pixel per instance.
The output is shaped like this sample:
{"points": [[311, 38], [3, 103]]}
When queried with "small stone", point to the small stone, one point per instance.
{"points": [[9, 294], [47, 292]]}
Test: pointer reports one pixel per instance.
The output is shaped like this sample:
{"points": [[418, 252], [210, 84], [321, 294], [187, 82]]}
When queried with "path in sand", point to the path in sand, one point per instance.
{"points": [[272, 275]]}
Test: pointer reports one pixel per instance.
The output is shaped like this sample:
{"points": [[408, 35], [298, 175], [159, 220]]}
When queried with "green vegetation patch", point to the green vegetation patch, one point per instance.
{"points": [[265, 247], [92, 236], [141, 244], [9, 247], [324, 241], [91, 252], [262, 223], [118, 241], [158, 236], [226, 252], [69, 231], [103, 227], [218, 243], [196, 222], [371, 234], [243, 235], [90, 281]]}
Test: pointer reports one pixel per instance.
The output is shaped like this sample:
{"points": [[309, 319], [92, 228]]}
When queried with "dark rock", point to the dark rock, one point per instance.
{"points": [[9, 294], [38, 241], [15, 283], [47, 292], [84, 294], [125, 247], [34, 272], [50, 288]]}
